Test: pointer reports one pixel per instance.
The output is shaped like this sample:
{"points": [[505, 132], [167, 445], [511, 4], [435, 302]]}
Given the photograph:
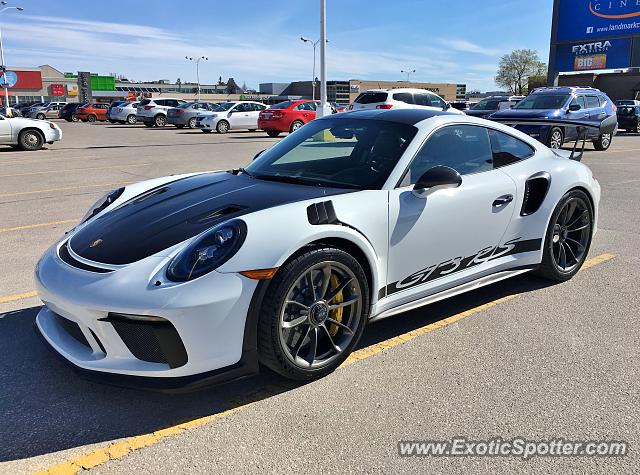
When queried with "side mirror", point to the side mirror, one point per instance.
{"points": [[437, 178], [446, 107], [574, 107]]}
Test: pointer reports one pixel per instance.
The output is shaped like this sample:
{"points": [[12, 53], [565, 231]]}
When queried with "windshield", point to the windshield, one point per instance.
{"points": [[543, 101], [282, 105], [626, 110], [486, 105], [225, 106], [340, 153]]}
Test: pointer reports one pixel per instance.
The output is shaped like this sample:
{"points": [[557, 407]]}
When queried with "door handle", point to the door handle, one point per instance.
{"points": [[502, 201]]}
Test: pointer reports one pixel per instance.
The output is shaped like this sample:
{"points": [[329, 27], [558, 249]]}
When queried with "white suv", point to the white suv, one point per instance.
{"points": [[154, 111], [401, 98]]}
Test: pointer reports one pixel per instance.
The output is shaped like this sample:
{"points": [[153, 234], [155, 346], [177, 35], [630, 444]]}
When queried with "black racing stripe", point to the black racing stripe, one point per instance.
{"points": [[170, 214]]}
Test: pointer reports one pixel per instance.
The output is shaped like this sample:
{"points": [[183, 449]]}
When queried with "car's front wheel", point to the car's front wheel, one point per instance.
{"points": [[30, 140], [222, 127], [40, 116], [91, 118], [568, 237], [132, 119], [74, 118], [556, 138], [603, 143], [314, 314]]}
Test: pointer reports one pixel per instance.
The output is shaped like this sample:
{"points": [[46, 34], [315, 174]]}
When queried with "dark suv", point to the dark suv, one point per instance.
{"points": [[563, 103], [629, 118]]}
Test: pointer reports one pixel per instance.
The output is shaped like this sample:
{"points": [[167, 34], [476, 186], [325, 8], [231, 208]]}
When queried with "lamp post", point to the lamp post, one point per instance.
{"points": [[313, 77], [408, 72], [4, 66], [324, 109], [197, 61]]}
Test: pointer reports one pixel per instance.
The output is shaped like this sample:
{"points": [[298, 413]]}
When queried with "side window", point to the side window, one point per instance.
{"points": [[242, 107], [160, 102], [508, 149], [593, 102], [436, 101], [579, 100], [422, 99], [403, 97], [465, 148], [603, 101]]}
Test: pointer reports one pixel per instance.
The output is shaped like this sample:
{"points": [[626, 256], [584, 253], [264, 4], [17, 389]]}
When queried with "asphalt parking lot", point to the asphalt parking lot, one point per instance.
{"points": [[519, 358]]}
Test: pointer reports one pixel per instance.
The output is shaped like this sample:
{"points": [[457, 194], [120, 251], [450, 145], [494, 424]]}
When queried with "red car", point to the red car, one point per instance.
{"points": [[92, 112], [287, 116]]}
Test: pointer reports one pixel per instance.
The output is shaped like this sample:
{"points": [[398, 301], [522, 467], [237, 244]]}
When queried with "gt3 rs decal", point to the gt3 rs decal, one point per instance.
{"points": [[458, 264]]}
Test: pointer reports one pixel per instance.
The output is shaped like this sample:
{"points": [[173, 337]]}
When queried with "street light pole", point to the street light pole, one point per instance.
{"points": [[313, 77], [408, 72], [4, 66], [323, 65], [197, 61]]}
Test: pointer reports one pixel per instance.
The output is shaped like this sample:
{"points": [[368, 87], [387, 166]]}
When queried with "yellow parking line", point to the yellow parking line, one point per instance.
{"points": [[75, 170], [40, 225], [66, 188], [120, 449], [14, 297]]}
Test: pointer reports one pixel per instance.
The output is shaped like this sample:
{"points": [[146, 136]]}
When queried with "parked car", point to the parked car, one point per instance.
{"points": [[627, 102], [92, 112], [113, 105], [68, 112], [401, 98], [629, 118], [51, 111], [185, 114], [558, 104], [492, 104], [28, 134], [153, 112], [231, 115], [355, 217], [125, 113], [461, 105], [287, 116]]}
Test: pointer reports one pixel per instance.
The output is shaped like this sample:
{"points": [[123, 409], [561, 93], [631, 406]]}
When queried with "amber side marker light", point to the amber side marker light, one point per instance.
{"points": [[259, 274]]}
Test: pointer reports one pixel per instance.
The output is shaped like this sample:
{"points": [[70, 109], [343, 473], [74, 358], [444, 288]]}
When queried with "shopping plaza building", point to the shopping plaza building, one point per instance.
{"points": [[45, 83]]}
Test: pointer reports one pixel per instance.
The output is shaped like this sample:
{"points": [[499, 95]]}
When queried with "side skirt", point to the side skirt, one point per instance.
{"points": [[445, 294]]}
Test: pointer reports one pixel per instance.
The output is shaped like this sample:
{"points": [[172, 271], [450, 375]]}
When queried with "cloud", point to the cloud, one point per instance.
{"points": [[465, 46]]}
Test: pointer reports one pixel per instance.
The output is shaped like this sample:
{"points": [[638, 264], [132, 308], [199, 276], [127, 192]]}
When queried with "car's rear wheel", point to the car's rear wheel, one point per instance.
{"points": [[30, 140], [160, 120], [74, 118], [192, 123], [273, 133], [603, 143], [568, 237], [132, 119], [222, 127], [314, 314], [556, 138], [296, 124], [40, 116], [91, 118]]}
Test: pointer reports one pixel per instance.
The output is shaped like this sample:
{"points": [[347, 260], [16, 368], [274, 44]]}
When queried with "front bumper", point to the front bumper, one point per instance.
{"points": [[53, 135], [207, 317]]}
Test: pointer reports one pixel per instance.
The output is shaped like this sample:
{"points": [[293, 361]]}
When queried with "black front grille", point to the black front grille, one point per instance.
{"points": [[72, 329], [153, 341]]}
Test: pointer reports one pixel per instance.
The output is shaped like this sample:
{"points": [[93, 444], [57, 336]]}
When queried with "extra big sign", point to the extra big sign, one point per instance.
{"points": [[606, 54]]}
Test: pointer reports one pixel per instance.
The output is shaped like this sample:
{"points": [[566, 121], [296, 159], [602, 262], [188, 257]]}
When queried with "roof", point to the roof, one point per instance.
{"points": [[564, 89], [399, 89], [403, 116]]}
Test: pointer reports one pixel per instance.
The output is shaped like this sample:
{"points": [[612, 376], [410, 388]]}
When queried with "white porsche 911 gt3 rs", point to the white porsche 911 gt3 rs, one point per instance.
{"points": [[200, 278]]}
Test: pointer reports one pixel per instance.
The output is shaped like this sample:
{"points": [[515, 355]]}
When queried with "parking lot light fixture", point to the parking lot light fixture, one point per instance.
{"points": [[197, 61], [408, 72], [4, 66]]}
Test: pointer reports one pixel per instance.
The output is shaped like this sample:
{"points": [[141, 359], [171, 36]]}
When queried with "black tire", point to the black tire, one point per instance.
{"points": [[252, 130], [192, 123], [91, 118], [222, 127], [30, 140], [295, 125], [160, 120], [75, 118], [149, 124], [40, 116], [603, 143], [132, 119], [271, 350], [555, 138], [549, 268], [273, 133]]}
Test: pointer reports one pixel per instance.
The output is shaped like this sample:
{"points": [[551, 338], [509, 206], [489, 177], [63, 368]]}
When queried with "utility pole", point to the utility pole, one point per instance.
{"points": [[324, 109]]}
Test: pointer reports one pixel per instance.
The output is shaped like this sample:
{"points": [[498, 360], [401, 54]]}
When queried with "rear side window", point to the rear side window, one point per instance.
{"points": [[579, 100], [603, 101], [403, 97], [508, 149], [422, 99], [306, 106], [371, 97], [593, 102]]}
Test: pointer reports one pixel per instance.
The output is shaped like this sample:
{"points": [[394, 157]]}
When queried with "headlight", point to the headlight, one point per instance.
{"points": [[208, 252], [102, 203]]}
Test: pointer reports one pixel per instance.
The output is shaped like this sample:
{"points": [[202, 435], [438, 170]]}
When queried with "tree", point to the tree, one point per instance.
{"points": [[516, 67]]}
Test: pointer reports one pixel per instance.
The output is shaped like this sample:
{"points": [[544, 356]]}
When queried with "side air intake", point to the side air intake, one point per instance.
{"points": [[535, 191]]}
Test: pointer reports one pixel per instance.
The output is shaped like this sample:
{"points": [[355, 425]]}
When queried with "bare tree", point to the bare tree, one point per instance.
{"points": [[516, 67]]}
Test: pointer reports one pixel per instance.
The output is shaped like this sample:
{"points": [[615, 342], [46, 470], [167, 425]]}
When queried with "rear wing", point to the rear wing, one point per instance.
{"points": [[607, 126]]}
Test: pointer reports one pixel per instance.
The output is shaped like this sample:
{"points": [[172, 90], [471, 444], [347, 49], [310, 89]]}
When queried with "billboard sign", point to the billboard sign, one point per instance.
{"points": [[586, 19], [57, 89], [8, 79], [588, 56], [84, 86]]}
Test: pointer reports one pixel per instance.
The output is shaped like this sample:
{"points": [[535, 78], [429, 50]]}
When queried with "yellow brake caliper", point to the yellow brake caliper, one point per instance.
{"points": [[337, 313]]}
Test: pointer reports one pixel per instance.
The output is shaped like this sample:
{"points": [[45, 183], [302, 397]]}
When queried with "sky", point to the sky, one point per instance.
{"points": [[257, 41]]}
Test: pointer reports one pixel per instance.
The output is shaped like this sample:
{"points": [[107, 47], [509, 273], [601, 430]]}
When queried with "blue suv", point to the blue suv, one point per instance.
{"points": [[562, 103]]}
